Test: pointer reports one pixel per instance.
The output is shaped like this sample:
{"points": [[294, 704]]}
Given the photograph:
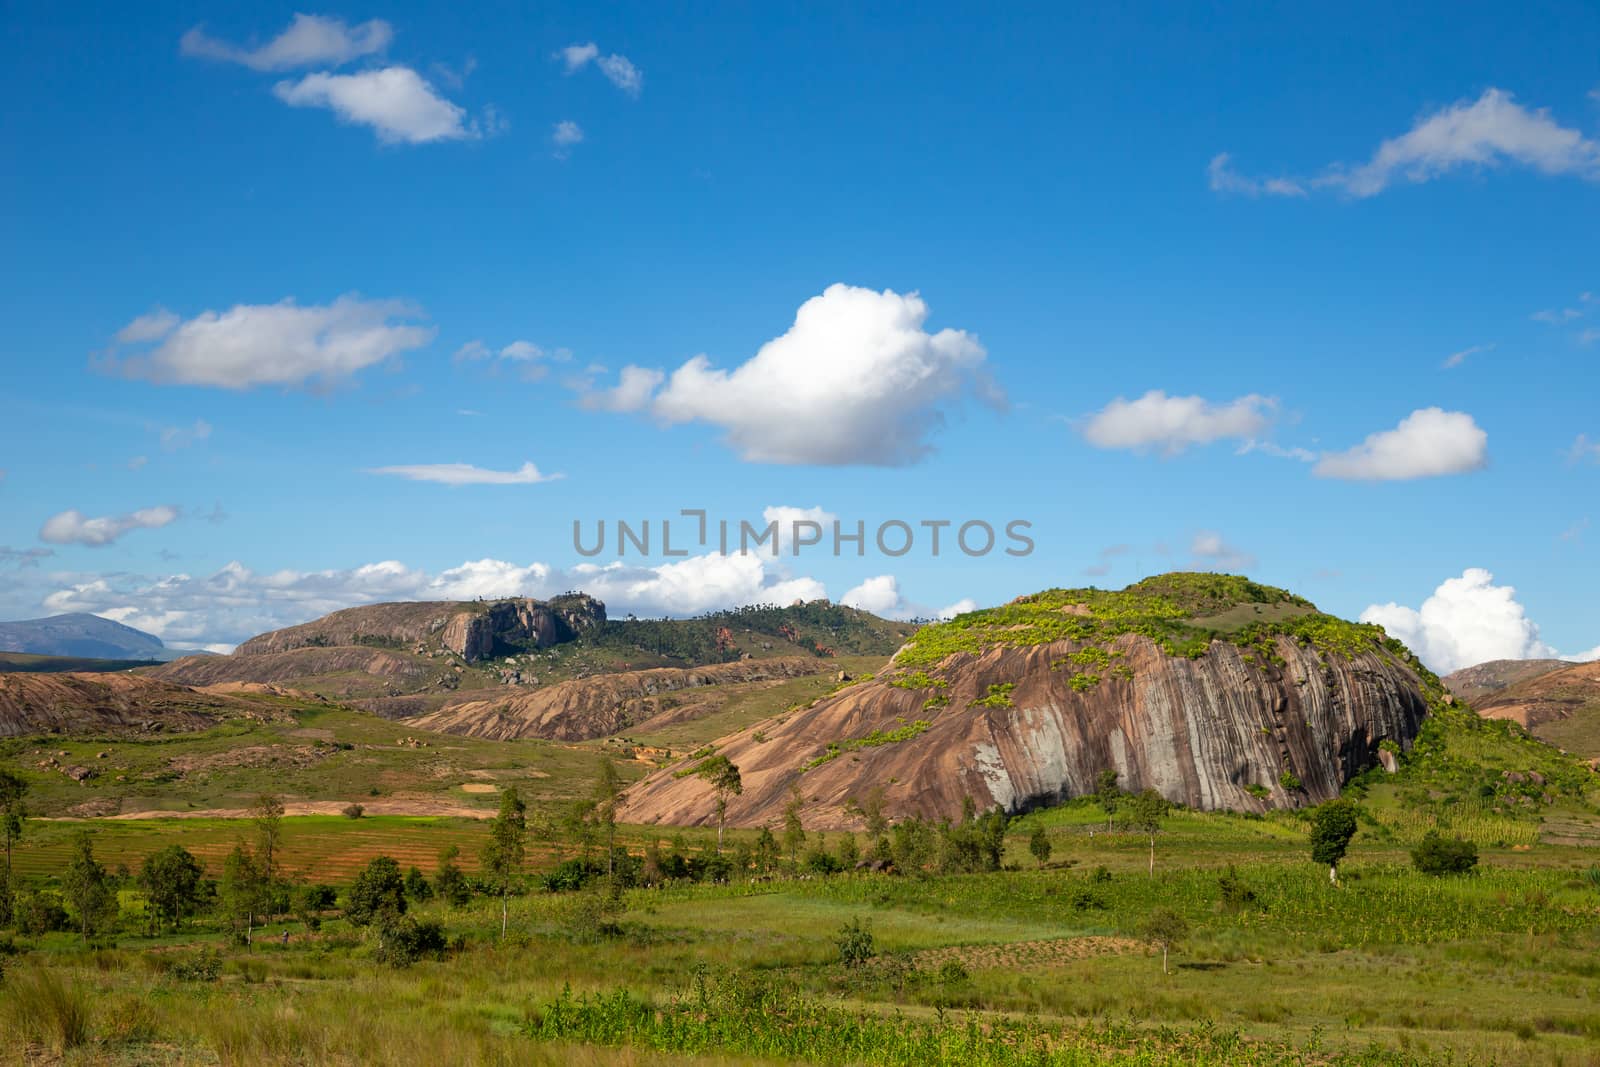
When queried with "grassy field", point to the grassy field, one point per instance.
{"points": [[1025, 965]]}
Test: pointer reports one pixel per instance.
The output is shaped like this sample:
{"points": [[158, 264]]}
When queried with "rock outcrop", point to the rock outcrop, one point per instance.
{"points": [[33, 704], [1244, 720], [587, 708], [472, 630]]}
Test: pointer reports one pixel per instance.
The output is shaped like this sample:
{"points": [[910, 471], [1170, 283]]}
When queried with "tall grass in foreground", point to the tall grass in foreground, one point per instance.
{"points": [[40, 1006], [752, 1017]]}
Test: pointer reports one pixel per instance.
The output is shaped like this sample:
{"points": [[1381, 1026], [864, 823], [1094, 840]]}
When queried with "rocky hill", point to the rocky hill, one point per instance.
{"points": [[81, 635], [103, 704], [1214, 690], [1560, 705], [474, 631], [588, 708], [1482, 680]]}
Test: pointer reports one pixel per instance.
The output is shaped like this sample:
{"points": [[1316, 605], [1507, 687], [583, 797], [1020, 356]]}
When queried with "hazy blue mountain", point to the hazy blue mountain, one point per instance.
{"points": [[79, 634]]}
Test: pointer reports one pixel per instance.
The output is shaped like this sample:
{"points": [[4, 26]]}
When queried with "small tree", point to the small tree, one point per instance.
{"points": [[1332, 827], [1165, 928], [171, 883], [794, 830], [378, 894], [12, 812], [88, 889], [856, 944], [1039, 844], [607, 794], [725, 782], [417, 886], [1145, 815], [241, 890], [1444, 855], [507, 845], [1108, 794], [448, 881], [267, 812]]}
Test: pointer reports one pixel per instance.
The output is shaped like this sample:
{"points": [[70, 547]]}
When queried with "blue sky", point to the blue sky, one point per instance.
{"points": [[1149, 279]]}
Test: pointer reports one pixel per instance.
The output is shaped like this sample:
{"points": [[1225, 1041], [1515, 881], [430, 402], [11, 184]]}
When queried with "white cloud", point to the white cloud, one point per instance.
{"points": [[280, 344], [564, 135], [1487, 132], [1428, 443], [576, 56], [309, 40], [631, 393], [1157, 422], [960, 607], [855, 380], [1455, 359], [151, 326], [1585, 657], [789, 531], [1583, 450], [397, 102], [618, 69], [879, 595], [621, 72], [73, 527], [1556, 316], [529, 357], [174, 438], [1467, 620], [458, 474], [1224, 179], [1210, 550]]}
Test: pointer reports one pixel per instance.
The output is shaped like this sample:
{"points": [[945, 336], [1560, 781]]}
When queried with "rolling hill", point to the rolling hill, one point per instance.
{"points": [[84, 636], [1557, 702]]}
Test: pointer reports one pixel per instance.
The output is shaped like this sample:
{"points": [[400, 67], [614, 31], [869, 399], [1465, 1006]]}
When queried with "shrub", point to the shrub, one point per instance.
{"points": [[1289, 780], [1444, 855], [856, 944], [952, 972], [404, 940], [202, 966], [1235, 894], [354, 811]]}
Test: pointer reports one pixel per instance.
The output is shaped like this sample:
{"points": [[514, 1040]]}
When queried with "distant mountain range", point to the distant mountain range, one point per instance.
{"points": [[1558, 702], [81, 635]]}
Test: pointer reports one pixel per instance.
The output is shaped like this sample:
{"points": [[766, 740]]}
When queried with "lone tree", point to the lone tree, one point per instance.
{"points": [[794, 830], [88, 889], [507, 845], [607, 791], [1165, 928], [725, 782], [1039, 845], [1145, 815], [241, 890], [12, 812], [1331, 830], [1108, 793], [267, 812], [171, 883], [378, 895]]}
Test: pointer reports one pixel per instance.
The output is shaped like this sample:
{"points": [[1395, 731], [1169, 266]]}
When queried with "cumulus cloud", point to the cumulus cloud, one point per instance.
{"points": [[1211, 551], [1170, 425], [631, 393], [1428, 443], [397, 102], [618, 69], [1467, 620], [881, 596], [458, 474], [792, 525], [855, 380], [1484, 133], [310, 40], [73, 527], [279, 344], [151, 326], [960, 607]]}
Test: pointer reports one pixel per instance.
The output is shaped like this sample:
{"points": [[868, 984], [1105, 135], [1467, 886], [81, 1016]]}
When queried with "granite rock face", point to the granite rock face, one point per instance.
{"points": [[474, 631], [1225, 730]]}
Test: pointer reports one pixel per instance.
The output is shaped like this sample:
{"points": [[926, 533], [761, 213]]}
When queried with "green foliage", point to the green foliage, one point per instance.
{"points": [[1289, 780], [917, 680], [1146, 811], [171, 882], [836, 749], [1332, 826], [998, 696], [1039, 844], [418, 888], [1083, 682], [88, 890], [1257, 790], [1236, 895], [1444, 855], [41, 1007], [378, 894], [204, 965], [855, 943], [403, 940]]}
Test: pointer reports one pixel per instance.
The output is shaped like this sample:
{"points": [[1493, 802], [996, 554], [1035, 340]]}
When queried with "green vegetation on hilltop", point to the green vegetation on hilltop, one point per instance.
{"points": [[1183, 613]]}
